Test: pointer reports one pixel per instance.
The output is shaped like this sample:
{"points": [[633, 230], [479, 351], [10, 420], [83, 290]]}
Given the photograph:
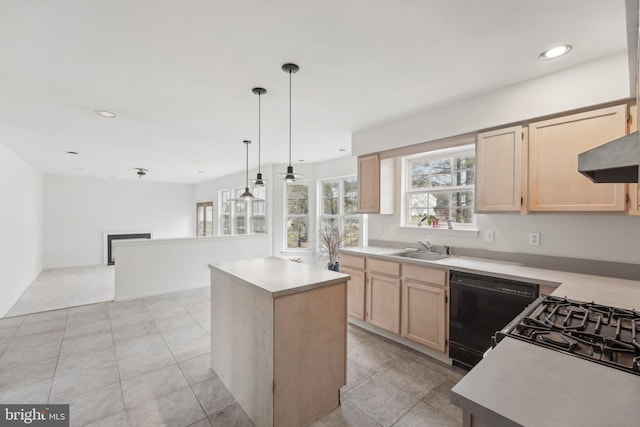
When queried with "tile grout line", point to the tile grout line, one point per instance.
{"points": [[58, 358]]}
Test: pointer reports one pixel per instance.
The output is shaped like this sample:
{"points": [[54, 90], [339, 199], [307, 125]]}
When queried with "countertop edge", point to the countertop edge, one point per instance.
{"points": [[340, 278]]}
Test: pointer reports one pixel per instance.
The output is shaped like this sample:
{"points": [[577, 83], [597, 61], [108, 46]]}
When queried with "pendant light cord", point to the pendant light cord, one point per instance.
{"points": [[247, 163], [259, 96], [290, 117]]}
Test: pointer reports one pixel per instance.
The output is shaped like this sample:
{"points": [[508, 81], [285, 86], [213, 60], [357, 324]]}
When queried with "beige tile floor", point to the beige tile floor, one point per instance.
{"points": [[56, 288], [146, 362]]}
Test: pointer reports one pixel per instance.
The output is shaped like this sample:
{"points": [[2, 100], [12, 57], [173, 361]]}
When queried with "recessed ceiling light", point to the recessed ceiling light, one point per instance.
{"points": [[342, 149], [106, 114], [555, 52], [201, 171], [78, 169], [72, 152], [301, 160], [196, 162]]}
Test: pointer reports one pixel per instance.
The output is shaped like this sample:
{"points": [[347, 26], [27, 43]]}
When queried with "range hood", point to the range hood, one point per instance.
{"points": [[614, 162]]}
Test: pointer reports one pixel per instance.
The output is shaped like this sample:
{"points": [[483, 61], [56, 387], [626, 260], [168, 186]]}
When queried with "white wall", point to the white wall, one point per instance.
{"points": [[154, 267], [608, 237], [78, 210], [20, 227], [592, 83]]}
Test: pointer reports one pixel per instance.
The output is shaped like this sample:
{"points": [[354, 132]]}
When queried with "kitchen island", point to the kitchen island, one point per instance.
{"points": [[278, 338]]}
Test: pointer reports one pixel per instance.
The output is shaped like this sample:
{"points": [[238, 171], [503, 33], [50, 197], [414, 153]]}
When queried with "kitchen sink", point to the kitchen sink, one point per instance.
{"points": [[427, 256]]}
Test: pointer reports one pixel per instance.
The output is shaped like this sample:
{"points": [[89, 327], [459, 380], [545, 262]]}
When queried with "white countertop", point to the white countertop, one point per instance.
{"points": [[277, 276], [583, 287]]}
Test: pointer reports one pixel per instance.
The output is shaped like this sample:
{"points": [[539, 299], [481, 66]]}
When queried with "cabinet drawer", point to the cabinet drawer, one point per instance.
{"points": [[352, 261], [384, 267], [424, 274]]}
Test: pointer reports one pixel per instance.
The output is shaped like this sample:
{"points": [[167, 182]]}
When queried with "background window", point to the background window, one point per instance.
{"points": [[204, 219], [441, 184], [243, 217], [225, 213], [297, 220], [339, 208], [258, 211]]}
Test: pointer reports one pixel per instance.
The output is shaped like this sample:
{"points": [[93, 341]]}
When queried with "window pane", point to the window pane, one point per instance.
{"points": [[226, 225], [240, 225], [297, 199], [226, 206], [351, 234], [209, 220], [240, 206], [297, 233], [330, 194], [258, 224], [328, 223], [350, 197]]}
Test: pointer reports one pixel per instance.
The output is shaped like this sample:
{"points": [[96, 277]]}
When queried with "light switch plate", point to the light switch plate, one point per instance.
{"points": [[380, 229], [534, 238], [488, 236]]}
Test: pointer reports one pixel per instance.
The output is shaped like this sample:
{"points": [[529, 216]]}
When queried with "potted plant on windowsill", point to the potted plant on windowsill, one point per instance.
{"points": [[330, 243]]}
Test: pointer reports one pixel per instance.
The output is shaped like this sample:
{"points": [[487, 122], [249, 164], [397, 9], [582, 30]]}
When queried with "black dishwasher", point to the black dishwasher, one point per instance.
{"points": [[480, 306]]}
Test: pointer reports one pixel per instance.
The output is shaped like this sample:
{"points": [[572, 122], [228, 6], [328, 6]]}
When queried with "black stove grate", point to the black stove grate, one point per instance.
{"points": [[595, 332]]}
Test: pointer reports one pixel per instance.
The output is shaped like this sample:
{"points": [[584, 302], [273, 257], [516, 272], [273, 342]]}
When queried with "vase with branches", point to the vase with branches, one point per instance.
{"points": [[330, 243]]}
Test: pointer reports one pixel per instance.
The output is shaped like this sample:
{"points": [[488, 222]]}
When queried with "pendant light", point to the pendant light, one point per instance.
{"points": [[246, 196], [290, 176], [259, 182]]}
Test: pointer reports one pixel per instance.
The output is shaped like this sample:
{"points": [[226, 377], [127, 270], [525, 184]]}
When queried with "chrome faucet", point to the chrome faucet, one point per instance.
{"points": [[426, 244]]}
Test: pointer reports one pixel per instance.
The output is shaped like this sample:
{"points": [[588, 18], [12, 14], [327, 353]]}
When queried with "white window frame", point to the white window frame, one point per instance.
{"points": [[408, 191], [287, 216], [340, 217], [248, 213]]}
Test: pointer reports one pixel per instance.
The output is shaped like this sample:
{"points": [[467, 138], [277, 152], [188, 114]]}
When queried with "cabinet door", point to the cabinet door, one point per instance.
{"points": [[424, 314], [383, 302], [369, 184], [554, 181], [355, 293], [633, 188], [499, 163]]}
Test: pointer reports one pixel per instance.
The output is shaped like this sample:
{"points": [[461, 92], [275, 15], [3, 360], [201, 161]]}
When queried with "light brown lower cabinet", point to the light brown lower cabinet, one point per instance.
{"points": [[383, 302], [424, 314], [356, 288]]}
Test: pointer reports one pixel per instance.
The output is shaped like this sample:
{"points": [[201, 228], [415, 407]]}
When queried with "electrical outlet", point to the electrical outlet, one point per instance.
{"points": [[392, 230], [380, 229], [488, 236], [534, 239]]}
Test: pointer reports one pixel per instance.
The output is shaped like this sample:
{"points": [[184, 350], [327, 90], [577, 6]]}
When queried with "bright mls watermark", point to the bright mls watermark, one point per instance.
{"points": [[34, 415]]}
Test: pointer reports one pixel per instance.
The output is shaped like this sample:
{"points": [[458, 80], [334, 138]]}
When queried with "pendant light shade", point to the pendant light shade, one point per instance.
{"points": [[259, 182], [290, 176], [246, 195]]}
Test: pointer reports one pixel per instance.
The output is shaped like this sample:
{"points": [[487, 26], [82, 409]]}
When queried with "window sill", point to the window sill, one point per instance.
{"points": [[461, 232]]}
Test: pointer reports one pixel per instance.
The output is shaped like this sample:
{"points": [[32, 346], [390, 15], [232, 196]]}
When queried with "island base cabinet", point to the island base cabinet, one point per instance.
{"points": [[356, 287], [282, 358], [424, 314], [383, 302], [310, 344]]}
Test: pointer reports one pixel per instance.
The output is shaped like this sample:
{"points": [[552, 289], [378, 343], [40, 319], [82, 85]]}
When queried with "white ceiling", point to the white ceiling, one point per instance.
{"points": [[179, 73]]}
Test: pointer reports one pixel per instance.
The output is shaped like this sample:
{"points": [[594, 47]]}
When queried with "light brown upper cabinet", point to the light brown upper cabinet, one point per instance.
{"points": [[376, 182], [633, 188], [555, 185], [500, 170]]}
